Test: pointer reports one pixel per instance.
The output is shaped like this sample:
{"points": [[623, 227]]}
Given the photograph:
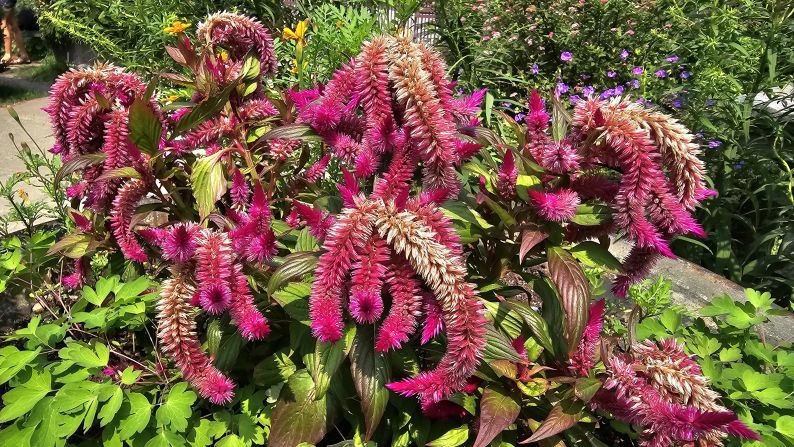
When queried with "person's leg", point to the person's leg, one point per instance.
{"points": [[16, 35], [6, 36]]}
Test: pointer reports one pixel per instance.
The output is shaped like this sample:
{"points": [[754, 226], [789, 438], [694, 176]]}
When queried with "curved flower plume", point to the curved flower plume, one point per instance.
{"points": [[508, 174], [393, 103], [658, 388], [121, 218], [557, 206], [239, 34], [88, 113], [214, 257], [417, 255], [176, 328], [369, 269], [583, 359], [661, 181]]}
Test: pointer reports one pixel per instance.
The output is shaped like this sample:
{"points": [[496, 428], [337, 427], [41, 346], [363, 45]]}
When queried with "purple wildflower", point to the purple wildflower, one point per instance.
{"points": [[574, 99], [661, 74], [624, 54], [637, 71], [566, 56], [739, 165], [588, 90], [677, 104], [608, 93], [611, 74], [520, 117], [672, 59], [535, 69], [585, 76], [713, 144], [684, 74], [635, 84], [618, 90], [561, 88]]}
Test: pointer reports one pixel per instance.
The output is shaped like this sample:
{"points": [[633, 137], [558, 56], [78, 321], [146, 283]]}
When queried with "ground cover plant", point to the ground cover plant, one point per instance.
{"points": [[342, 263]]}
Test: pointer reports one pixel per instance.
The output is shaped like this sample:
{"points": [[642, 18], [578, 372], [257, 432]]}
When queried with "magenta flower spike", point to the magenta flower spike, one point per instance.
{"points": [[508, 175], [369, 270]]}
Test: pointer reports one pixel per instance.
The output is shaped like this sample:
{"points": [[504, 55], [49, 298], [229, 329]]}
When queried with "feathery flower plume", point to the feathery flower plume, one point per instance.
{"points": [[214, 258], [434, 322], [180, 241], [317, 170], [176, 329], [662, 390], [250, 322], [583, 360], [121, 214], [508, 174], [240, 191], [366, 281], [349, 235], [318, 221], [239, 35], [557, 206], [401, 322]]}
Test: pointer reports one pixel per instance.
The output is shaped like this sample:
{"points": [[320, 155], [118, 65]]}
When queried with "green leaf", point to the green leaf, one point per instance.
{"points": [[498, 347], [461, 212], [671, 320], [176, 409], [208, 182], [588, 215], [594, 254], [23, 398], [209, 107], [585, 388], [85, 356], [302, 132], [730, 354], [370, 372], [785, 426], [14, 362], [111, 408], [498, 409], [144, 128], [297, 416], [276, 368], [251, 68], [73, 246], [323, 363], [166, 438], [295, 266], [554, 316], [536, 323], [293, 300], [721, 305], [558, 420], [135, 414], [530, 237], [77, 164], [452, 438], [574, 292]]}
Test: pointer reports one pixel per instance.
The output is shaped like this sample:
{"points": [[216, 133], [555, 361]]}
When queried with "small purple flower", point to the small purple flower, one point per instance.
{"points": [[611, 74], [624, 54], [566, 56], [618, 90], [635, 84], [561, 88], [713, 144], [710, 103], [506, 105], [699, 135], [588, 90], [684, 74], [608, 93], [519, 117], [535, 69], [739, 165], [661, 74], [672, 59], [677, 104], [585, 76], [574, 99], [637, 71]]}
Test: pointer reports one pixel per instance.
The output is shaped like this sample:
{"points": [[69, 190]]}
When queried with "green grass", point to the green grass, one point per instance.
{"points": [[11, 95]]}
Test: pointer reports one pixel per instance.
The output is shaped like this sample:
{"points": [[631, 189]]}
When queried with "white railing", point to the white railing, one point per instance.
{"points": [[419, 24]]}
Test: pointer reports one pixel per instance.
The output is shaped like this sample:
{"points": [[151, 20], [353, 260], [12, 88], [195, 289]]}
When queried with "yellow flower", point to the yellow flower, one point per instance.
{"points": [[176, 27], [172, 98], [223, 55], [299, 34], [295, 66], [23, 195]]}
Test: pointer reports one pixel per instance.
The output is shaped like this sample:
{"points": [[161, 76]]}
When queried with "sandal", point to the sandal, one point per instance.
{"points": [[19, 61]]}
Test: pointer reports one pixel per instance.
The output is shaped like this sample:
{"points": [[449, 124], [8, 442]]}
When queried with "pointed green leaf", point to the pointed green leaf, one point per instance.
{"points": [[497, 411], [370, 372], [176, 409], [574, 292], [297, 416]]}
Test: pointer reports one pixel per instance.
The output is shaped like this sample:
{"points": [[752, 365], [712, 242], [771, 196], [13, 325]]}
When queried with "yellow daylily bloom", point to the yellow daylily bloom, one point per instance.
{"points": [[176, 27], [223, 55], [172, 98], [299, 34]]}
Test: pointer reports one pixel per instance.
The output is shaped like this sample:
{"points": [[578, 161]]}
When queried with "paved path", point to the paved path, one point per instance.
{"points": [[37, 123]]}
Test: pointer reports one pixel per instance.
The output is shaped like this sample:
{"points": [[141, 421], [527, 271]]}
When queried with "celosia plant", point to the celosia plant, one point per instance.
{"points": [[228, 198]]}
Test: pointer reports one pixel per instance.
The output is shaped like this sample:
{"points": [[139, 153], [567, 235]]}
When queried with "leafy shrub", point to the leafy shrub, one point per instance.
{"points": [[753, 375], [226, 200]]}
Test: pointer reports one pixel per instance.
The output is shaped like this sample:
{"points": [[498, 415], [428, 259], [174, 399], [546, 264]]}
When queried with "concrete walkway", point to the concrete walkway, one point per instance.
{"points": [[37, 124]]}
